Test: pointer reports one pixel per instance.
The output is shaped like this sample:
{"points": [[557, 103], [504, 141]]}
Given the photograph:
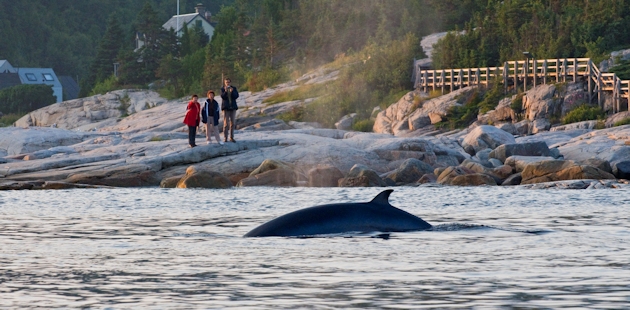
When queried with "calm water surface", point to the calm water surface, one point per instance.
{"points": [[157, 248]]}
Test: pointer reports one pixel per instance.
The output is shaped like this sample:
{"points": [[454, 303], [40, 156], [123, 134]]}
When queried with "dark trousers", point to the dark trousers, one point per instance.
{"points": [[192, 132], [229, 123]]}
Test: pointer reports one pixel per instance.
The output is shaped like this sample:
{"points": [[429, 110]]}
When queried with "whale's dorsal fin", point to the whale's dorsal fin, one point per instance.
{"points": [[383, 197]]}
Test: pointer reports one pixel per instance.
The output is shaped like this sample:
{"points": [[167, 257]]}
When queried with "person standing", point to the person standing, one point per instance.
{"points": [[210, 117], [192, 119], [229, 94]]}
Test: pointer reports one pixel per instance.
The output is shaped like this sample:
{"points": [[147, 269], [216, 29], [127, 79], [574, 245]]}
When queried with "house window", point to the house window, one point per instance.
{"points": [[31, 77], [198, 23], [48, 77]]}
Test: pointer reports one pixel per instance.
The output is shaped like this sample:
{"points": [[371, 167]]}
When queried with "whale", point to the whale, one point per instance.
{"points": [[338, 218]]}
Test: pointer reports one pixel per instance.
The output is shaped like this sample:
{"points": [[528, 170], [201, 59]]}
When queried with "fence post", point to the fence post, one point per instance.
{"points": [[564, 70], [425, 81], [434, 79], [535, 65], [575, 69], [590, 81], [461, 78], [525, 73], [557, 70], [442, 81], [516, 76], [505, 76], [545, 71]]}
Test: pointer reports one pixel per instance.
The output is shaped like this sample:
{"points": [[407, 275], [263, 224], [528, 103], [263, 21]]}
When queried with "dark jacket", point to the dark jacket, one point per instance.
{"points": [[229, 103], [210, 109]]}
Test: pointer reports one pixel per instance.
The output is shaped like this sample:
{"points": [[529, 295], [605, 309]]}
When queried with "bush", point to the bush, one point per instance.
{"points": [[105, 86], [583, 113], [296, 114], [365, 125], [263, 79], [8, 119], [25, 98]]}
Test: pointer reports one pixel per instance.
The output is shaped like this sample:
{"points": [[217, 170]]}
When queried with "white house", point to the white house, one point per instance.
{"points": [[200, 18], [34, 76]]}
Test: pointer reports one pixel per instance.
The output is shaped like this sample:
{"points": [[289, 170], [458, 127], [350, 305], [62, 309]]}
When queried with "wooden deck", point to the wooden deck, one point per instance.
{"points": [[530, 73]]}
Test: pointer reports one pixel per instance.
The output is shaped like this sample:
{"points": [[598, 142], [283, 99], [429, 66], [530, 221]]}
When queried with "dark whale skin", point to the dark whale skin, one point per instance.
{"points": [[374, 216]]}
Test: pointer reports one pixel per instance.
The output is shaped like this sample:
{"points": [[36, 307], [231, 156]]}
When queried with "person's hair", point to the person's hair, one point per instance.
{"points": [[193, 96], [210, 92], [227, 79]]}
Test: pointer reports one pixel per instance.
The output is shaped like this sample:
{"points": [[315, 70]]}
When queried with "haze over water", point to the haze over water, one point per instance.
{"points": [[158, 248]]}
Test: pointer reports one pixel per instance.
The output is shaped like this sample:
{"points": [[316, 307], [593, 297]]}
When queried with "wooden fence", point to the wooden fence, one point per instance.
{"points": [[526, 73]]}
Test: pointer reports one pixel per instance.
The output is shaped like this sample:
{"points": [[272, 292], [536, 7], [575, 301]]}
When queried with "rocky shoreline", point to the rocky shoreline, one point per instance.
{"points": [[89, 142]]}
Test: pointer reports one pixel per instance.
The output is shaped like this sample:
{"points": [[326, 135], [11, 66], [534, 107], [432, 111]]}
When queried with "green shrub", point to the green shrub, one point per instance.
{"points": [[105, 86], [365, 125], [25, 98], [8, 119], [295, 114], [257, 81], [517, 103], [622, 122], [583, 113]]}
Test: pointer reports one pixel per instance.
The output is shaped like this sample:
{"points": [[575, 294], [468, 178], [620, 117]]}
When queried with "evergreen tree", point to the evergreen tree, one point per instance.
{"points": [[103, 65]]}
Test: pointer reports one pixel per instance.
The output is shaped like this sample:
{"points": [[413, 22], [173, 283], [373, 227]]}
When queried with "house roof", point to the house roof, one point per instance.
{"points": [[184, 19], [70, 87], [38, 76], [5, 66], [9, 80]]}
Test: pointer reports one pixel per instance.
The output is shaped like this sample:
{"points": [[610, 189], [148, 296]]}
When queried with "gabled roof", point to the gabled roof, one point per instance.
{"points": [[36, 76], [9, 80], [184, 19], [70, 87], [6, 67]]}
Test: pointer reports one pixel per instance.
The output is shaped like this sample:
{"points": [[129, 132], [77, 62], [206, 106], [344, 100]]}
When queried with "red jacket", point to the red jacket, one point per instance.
{"points": [[192, 114]]}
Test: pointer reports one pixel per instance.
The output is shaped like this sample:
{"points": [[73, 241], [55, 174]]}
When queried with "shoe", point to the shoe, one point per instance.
{"points": [[225, 140], [232, 140], [208, 142], [221, 143]]}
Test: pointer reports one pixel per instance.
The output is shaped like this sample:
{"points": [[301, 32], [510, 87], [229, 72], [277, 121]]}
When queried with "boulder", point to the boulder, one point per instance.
{"points": [[428, 178], [345, 123], [361, 176], [170, 182], [499, 174], [324, 176], [132, 175], [448, 174], [507, 127], [410, 171], [518, 162], [623, 170], [598, 163], [539, 102], [522, 128], [540, 125], [196, 178], [559, 170], [475, 179], [483, 137], [495, 162], [504, 151], [514, 179], [578, 125], [271, 173], [502, 112]]}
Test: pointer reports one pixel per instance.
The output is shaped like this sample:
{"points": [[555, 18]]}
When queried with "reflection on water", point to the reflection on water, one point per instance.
{"points": [[155, 248]]}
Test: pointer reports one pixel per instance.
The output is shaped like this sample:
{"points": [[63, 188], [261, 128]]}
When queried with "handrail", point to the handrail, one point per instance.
{"points": [[515, 73]]}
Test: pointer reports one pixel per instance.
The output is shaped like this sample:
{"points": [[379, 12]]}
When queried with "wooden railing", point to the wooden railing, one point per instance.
{"points": [[526, 73]]}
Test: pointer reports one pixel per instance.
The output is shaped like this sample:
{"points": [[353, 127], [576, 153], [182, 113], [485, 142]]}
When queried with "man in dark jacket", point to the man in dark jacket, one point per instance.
{"points": [[229, 94], [210, 117]]}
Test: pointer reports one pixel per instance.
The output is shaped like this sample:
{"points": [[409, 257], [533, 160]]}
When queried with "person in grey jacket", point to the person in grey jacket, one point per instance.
{"points": [[210, 117], [229, 94]]}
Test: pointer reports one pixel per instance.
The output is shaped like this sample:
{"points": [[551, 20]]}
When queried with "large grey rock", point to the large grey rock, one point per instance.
{"points": [[90, 110], [345, 123], [14, 140], [196, 178], [518, 162], [558, 170], [324, 176], [410, 171], [361, 176], [540, 125], [617, 117], [623, 170], [120, 176], [504, 151], [514, 179], [483, 137], [539, 102]]}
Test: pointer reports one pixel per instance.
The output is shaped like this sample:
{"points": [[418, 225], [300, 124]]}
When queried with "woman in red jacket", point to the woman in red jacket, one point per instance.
{"points": [[192, 119]]}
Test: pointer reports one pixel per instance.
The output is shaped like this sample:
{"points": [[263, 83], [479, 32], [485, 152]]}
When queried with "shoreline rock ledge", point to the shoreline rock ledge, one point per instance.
{"points": [[150, 148]]}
